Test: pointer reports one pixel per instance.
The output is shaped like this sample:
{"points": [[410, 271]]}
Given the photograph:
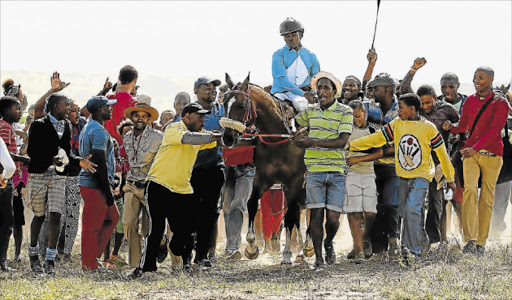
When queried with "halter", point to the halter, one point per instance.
{"points": [[250, 111]]}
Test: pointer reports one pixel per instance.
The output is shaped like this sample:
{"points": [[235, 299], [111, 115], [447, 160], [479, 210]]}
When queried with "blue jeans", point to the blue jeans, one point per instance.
{"points": [[325, 190], [237, 189], [412, 193]]}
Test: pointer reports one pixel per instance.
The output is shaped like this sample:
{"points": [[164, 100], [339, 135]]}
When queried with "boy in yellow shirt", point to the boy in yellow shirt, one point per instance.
{"points": [[414, 138]]}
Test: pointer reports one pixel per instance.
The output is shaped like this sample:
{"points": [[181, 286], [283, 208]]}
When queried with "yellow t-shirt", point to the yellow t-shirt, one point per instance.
{"points": [[414, 141], [174, 161]]}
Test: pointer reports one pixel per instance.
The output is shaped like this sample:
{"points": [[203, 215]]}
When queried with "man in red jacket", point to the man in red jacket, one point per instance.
{"points": [[127, 80], [483, 157]]}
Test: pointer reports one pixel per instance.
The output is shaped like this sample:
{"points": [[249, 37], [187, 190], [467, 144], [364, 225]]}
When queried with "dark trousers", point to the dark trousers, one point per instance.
{"points": [[435, 210], [178, 209], [6, 219], [386, 221], [207, 183]]}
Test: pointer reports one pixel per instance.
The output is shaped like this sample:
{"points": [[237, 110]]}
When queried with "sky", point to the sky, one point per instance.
{"points": [[173, 43]]}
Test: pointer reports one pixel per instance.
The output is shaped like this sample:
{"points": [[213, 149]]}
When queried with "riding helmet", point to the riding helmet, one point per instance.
{"points": [[290, 25]]}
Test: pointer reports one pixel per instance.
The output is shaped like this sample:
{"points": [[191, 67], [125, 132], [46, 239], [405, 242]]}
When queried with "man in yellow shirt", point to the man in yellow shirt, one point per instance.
{"points": [[169, 194], [414, 138]]}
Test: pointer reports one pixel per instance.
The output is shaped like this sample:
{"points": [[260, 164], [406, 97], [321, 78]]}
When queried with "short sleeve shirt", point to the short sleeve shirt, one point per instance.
{"points": [[9, 136], [95, 136], [326, 124]]}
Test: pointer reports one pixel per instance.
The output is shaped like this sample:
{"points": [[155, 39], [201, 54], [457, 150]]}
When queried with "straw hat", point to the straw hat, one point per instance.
{"points": [[329, 76], [153, 113]]}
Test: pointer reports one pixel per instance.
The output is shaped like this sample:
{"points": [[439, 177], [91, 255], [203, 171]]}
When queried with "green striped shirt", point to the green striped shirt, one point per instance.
{"points": [[326, 124]]}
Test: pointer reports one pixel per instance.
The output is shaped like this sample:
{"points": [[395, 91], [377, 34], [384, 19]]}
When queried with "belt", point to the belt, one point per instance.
{"points": [[138, 184], [485, 152]]}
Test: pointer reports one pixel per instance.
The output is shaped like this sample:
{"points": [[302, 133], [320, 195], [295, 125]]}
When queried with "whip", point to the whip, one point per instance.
{"points": [[376, 20]]}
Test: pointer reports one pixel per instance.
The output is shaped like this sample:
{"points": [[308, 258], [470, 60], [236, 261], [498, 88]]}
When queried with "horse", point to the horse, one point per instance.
{"points": [[277, 160]]}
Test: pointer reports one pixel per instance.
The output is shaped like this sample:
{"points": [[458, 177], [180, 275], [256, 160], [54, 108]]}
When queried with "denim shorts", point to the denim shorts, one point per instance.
{"points": [[325, 190]]}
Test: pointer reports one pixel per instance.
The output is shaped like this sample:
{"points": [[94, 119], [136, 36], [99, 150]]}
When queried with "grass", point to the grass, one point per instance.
{"points": [[441, 274]]}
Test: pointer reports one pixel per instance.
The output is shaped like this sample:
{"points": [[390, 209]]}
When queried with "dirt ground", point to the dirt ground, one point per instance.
{"points": [[444, 273]]}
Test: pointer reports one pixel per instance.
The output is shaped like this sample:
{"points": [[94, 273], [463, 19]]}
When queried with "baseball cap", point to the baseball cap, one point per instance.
{"points": [[194, 108], [382, 79], [97, 102], [205, 80]]}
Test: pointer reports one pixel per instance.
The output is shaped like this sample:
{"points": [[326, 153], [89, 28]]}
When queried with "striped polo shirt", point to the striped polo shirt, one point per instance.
{"points": [[326, 124]]}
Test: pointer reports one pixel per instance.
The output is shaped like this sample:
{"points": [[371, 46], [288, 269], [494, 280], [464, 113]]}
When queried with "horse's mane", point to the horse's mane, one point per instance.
{"points": [[273, 102]]}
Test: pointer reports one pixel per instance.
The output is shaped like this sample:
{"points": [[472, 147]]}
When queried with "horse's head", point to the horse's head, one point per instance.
{"points": [[238, 107]]}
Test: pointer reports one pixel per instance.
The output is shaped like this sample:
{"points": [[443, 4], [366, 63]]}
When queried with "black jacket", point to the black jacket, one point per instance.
{"points": [[43, 145]]}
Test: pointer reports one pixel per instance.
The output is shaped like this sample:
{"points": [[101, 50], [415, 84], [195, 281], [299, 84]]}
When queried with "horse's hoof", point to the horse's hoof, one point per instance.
{"points": [[286, 262], [252, 255], [309, 252], [300, 259]]}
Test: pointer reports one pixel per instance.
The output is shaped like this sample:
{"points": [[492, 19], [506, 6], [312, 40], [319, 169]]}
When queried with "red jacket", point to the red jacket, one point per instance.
{"points": [[124, 101], [487, 133]]}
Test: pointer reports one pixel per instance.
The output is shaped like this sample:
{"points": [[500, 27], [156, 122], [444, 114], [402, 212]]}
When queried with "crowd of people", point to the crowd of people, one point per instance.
{"points": [[388, 157]]}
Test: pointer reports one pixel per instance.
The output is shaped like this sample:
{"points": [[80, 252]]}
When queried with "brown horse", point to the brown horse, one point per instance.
{"points": [[277, 159]]}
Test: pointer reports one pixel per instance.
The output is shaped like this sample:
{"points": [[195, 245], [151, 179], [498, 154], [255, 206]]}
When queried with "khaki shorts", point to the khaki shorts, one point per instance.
{"points": [[361, 193]]}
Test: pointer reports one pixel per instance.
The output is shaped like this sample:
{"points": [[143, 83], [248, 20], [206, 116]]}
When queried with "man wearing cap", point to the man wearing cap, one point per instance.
{"points": [[100, 214], [208, 174], [293, 66], [169, 192], [331, 126], [128, 76], [141, 145], [382, 110], [49, 146]]}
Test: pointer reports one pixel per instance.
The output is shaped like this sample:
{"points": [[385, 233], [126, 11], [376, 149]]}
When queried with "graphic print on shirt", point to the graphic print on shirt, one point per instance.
{"points": [[409, 152], [297, 72]]}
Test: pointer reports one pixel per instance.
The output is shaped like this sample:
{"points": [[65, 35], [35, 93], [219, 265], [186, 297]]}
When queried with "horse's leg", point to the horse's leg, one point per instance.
{"points": [[308, 244], [252, 251], [293, 193]]}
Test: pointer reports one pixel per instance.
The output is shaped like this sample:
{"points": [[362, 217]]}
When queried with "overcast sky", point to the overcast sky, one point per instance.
{"points": [[190, 39]]}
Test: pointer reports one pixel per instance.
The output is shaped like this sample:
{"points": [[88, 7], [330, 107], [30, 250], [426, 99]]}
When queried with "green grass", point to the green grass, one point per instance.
{"points": [[441, 274]]}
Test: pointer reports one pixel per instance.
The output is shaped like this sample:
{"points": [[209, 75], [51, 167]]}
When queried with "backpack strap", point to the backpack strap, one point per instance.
{"points": [[480, 114]]}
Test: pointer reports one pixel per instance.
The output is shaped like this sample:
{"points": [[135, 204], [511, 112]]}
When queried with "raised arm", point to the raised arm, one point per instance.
{"points": [[405, 87], [372, 60], [56, 86]]}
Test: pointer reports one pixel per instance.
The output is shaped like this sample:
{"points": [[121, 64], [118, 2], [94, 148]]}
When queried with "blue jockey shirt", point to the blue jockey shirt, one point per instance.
{"points": [[211, 157], [293, 69]]}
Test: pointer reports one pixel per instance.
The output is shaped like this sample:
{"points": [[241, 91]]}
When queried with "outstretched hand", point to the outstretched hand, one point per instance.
{"points": [[87, 165], [107, 86], [447, 125], [56, 84]]}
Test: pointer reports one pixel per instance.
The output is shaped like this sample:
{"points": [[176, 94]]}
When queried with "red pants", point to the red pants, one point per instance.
{"points": [[98, 224], [271, 212]]}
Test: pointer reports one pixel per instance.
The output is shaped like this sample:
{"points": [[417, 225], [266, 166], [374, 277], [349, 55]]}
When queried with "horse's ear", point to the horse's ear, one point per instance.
{"points": [[229, 81], [245, 84]]}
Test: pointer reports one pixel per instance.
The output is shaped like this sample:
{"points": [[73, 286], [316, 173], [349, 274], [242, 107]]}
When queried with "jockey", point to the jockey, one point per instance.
{"points": [[293, 66]]}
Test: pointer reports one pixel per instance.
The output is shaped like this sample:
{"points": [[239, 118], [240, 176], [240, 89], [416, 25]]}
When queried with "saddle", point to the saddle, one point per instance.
{"points": [[286, 108]]}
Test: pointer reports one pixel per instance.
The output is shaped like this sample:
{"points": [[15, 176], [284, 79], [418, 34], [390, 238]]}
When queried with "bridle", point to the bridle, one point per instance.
{"points": [[250, 117]]}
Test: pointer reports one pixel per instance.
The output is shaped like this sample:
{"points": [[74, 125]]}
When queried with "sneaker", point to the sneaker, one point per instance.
{"points": [[319, 265], [379, 257], [35, 264], [394, 249], [137, 273], [367, 248], [49, 267], [117, 260], [205, 262], [470, 248], [480, 250], [5, 268], [233, 255], [360, 258], [330, 255], [109, 264]]}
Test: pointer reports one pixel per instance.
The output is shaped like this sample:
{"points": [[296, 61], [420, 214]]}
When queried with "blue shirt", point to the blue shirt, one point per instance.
{"points": [[282, 59], [375, 114], [95, 136], [209, 157]]}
